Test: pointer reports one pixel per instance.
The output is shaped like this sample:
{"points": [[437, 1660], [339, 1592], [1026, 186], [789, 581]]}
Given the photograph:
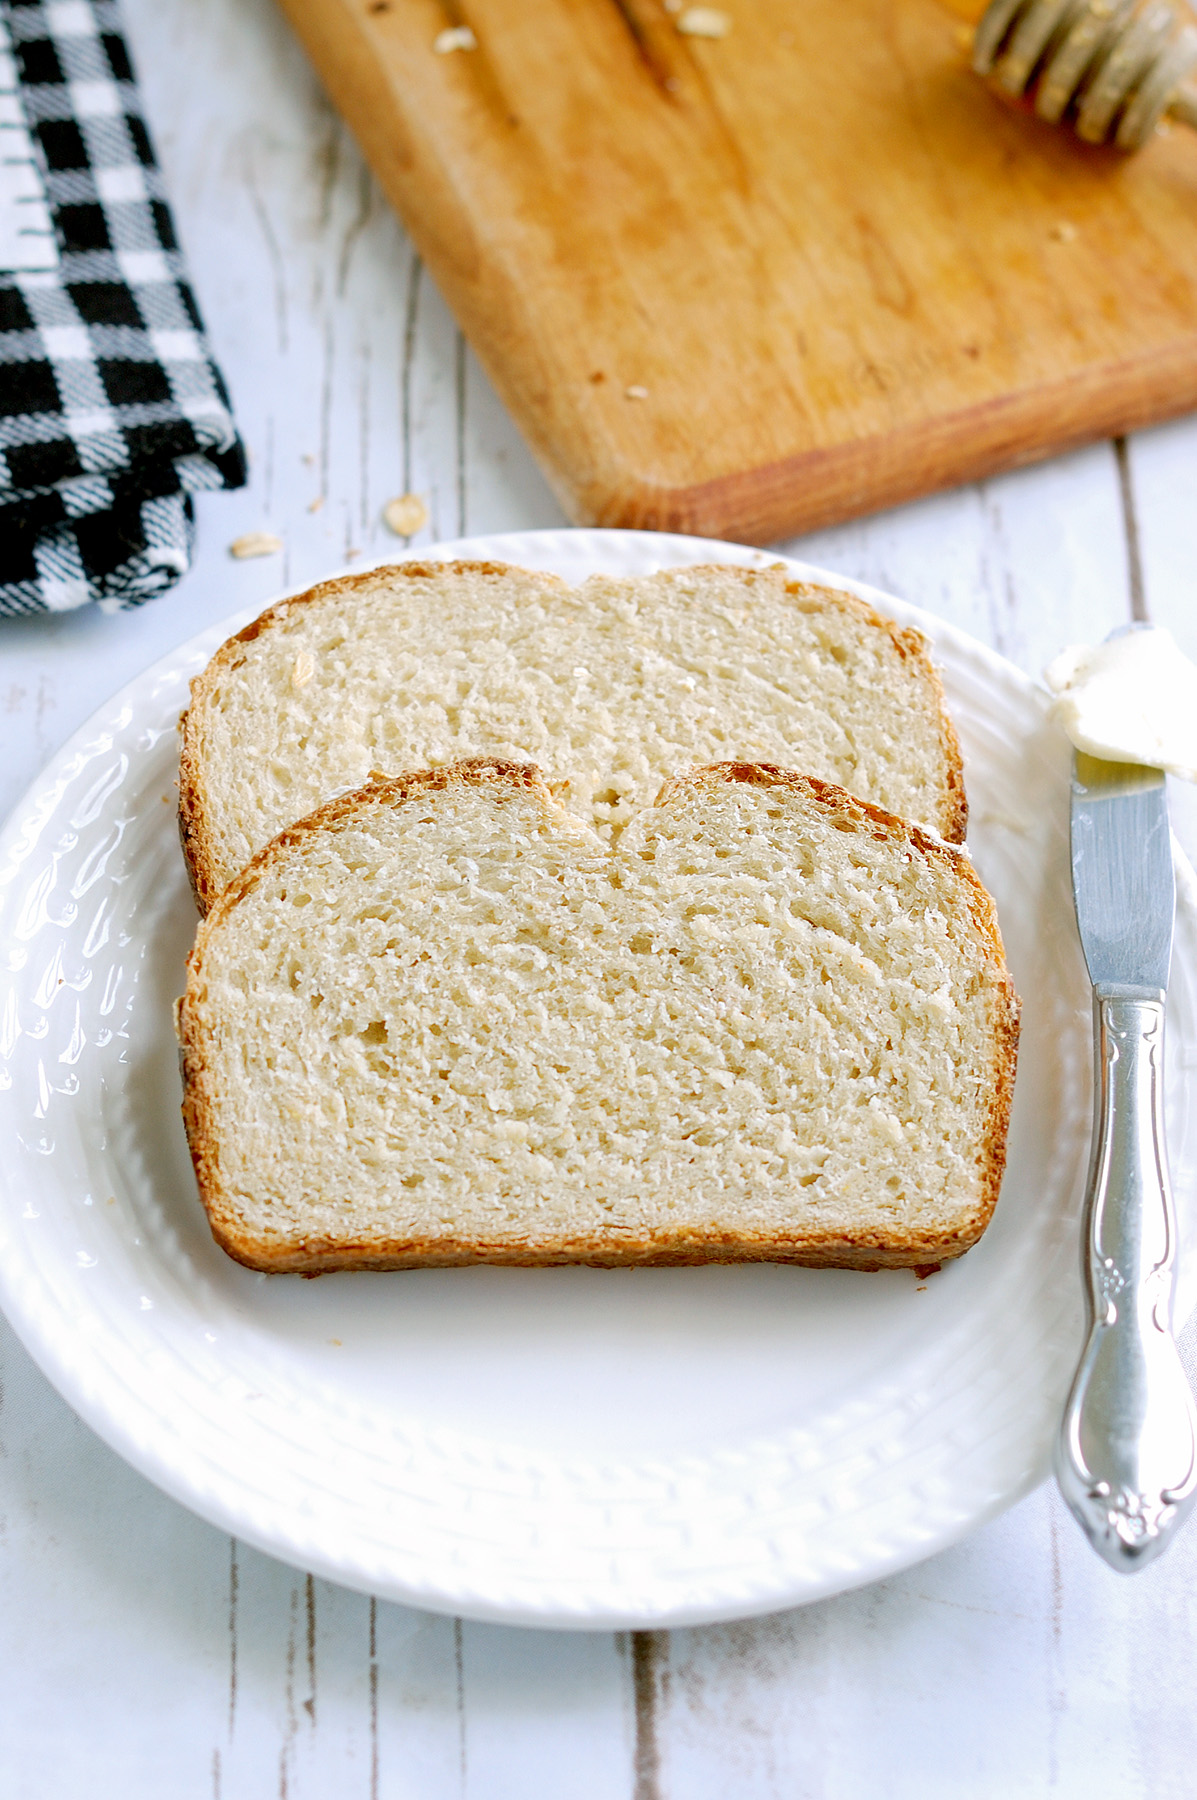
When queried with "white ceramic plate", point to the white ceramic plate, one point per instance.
{"points": [[566, 1447]]}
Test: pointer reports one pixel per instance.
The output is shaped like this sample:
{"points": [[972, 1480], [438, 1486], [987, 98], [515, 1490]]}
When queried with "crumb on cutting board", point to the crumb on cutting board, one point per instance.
{"points": [[704, 22], [454, 37]]}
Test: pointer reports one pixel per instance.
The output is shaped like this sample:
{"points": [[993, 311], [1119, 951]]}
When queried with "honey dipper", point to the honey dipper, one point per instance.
{"points": [[1112, 68]]}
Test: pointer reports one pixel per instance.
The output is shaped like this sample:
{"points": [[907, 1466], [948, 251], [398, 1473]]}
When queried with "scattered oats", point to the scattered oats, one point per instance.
{"points": [[636, 393], [350, 554], [255, 543], [704, 22], [304, 669], [405, 516], [1064, 232], [316, 504], [456, 37]]}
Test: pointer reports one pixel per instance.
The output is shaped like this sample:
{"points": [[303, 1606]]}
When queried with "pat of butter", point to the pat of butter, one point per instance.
{"points": [[1131, 699]]}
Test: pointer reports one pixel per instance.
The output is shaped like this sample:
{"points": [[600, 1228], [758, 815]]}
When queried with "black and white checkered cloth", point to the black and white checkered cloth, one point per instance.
{"points": [[112, 412]]}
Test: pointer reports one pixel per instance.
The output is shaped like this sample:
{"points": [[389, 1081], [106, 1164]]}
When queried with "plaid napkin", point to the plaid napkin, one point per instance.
{"points": [[112, 412]]}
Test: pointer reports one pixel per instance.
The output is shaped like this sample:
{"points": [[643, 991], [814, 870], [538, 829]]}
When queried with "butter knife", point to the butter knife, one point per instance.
{"points": [[1127, 1453]]}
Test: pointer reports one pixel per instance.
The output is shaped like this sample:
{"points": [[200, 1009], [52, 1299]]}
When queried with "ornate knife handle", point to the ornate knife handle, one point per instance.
{"points": [[1127, 1454]]}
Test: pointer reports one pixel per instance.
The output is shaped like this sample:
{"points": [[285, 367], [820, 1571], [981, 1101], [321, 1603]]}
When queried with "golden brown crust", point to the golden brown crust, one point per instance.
{"points": [[194, 836], [865, 1251], [660, 1250]]}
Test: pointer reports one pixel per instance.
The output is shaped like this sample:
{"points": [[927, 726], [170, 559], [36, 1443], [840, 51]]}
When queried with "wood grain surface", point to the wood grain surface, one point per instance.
{"points": [[751, 285], [143, 1655]]}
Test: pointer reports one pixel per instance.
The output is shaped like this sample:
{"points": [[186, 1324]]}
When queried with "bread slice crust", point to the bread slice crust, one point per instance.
{"points": [[199, 806], [872, 1247]]}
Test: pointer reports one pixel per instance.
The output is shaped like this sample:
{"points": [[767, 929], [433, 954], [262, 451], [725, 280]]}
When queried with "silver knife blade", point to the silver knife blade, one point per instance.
{"points": [[1122, 881]]}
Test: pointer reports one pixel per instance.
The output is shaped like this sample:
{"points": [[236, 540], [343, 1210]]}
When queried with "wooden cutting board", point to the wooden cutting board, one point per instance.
{"points": [[751, 285]]}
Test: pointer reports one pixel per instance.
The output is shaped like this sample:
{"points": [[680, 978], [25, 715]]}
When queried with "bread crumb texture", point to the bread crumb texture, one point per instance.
{"points": [[610, 688], [444, 1021]]}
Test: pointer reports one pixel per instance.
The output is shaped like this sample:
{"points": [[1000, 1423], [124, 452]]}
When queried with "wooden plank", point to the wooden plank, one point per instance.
{"points": [[1017, 1650], [750, 286], [335, 1693], [113, 1613], [1027, 561], [145, 1654], [1162, 467], [1160, 495], [1002, 1666], [546, 1714]]}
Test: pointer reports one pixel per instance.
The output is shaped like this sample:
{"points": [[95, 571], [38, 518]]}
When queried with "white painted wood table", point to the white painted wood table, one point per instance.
{"points": [[143, 1654]]}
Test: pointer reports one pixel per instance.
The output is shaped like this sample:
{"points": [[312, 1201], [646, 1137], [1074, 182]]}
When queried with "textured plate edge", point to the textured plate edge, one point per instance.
{"points": [[669, 551]]}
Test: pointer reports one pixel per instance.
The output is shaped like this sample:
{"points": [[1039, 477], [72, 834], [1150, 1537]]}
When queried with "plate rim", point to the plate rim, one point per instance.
{"points": [[169, 1477]]}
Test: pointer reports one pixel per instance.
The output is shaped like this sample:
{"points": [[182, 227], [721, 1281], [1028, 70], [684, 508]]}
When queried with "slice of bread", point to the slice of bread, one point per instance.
{"points": [[610, 688], [441, 1021]]}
